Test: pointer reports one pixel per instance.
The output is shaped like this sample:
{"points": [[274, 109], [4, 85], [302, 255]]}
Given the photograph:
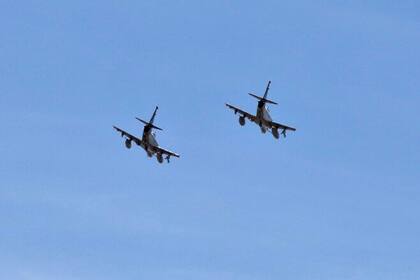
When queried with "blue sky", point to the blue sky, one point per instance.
{"points": [[338, 199]]}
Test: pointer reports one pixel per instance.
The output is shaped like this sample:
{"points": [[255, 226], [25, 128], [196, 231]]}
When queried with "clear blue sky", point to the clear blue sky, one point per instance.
{"points": [[338, 199]]}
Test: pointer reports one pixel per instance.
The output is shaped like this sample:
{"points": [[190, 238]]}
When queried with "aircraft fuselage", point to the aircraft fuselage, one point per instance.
{"points": [[149, 139], [263, 116]]}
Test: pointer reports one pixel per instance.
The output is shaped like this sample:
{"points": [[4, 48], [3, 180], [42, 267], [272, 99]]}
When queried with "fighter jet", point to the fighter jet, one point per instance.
{"points": [[148, 141], [262, 118]]}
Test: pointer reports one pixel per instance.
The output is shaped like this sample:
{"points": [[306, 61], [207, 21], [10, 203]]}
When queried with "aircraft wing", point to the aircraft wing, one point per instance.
{"points": [[166, 152], [129, 136], [242, 112], [281, 126]]}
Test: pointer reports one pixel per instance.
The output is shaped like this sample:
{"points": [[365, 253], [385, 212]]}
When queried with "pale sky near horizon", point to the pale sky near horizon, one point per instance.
{"points": [[337, 199]]}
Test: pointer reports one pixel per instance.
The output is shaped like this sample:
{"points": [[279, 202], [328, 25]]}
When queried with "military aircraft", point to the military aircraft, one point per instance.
{"points": [[263, 118], [148, 141]]}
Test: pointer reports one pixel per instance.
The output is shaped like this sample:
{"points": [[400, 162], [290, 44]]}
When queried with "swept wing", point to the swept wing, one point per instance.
{"points": [[130, 136], [247, 115], [281, 126]]}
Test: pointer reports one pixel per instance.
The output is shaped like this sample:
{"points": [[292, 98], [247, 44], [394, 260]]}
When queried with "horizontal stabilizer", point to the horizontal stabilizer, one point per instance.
{"points": [[146, 123], [263, 99], [155, 127], [149, 124]]}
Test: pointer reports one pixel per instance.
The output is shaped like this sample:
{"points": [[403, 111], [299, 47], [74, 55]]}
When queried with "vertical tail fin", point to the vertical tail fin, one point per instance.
{"points": [[266, 90], [153, 116], [264, 99], [150, 123]]}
